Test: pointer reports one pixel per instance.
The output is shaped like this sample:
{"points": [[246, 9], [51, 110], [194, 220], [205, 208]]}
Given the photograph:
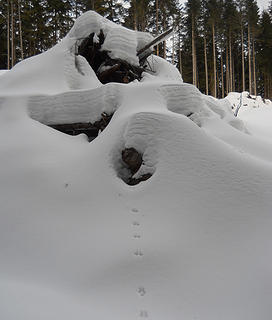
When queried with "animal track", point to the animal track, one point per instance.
{"points": [[137, 236], [138, 253], [141, 291], [134, 210], [136, 223], [143, 314]]}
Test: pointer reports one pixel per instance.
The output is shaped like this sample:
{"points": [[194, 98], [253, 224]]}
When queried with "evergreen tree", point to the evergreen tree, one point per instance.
{"points": [[211, 19], [252, 15], [264, 47]]}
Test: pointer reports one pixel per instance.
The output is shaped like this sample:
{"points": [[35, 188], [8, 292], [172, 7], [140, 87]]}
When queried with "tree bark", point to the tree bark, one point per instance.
{"points": [[164, 42], [12, 35], [157, 23], [214, 62], [20, 30], [8, 36], [243, 60], [173, 49], [254, 66], [249, 63], [206, 66], [180, 62], [222, 76], [193, 51], [233, 75], [230, 65], [227, 70]]}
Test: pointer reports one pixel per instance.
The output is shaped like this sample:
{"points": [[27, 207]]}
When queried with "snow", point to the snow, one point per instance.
{"points": [[76, 242], [3, 72], [56, 71], [248, 100]]}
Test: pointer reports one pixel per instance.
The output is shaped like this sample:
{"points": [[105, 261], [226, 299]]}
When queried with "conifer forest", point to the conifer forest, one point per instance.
{"points": [[220, 46]]}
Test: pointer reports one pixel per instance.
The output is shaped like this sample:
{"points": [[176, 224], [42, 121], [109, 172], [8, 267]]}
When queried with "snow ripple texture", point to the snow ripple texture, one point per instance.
{"points": [[75, 106]]}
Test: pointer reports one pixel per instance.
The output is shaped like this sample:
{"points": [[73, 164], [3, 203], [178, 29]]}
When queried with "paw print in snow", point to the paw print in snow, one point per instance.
{"points": [[144, 314], [138, 253], [141, 291]]}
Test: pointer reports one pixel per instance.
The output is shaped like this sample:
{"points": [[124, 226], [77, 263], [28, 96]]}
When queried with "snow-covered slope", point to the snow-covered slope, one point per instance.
{"points": [[244, 101], [77, 242]]}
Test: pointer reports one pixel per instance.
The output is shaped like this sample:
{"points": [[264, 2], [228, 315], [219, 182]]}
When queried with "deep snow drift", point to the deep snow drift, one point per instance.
{"points": [[76, 242], [243, 101]]}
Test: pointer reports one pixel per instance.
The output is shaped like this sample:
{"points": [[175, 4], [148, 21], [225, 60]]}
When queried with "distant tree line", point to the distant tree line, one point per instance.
{"points": [[219, 45]]}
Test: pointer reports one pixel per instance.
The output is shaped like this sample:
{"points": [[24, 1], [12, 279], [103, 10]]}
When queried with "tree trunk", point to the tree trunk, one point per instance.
{"points": [[20, 30], [8, 36], [206, 66], [249, 62], [180, 62], [12, 35], [227, 71], [164, 42], [233, 75], [243, 60], [173, 49], [254, 65], [157, 23], [230, 65], [222, 76], [193, 51], [214, 62]]}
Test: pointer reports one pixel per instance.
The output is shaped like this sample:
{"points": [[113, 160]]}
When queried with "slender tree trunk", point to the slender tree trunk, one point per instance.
{"points": [[249, 62], [214, 62], [12, 35], [8, 36], [230, 65], [206, 66], [164, 42], [193, 51], [227, 71], [222, 76], [243, 60], [173, 49], [180, 62], [157, 23], [254, 65], [20, 30], [135, 21], [233, 75]]}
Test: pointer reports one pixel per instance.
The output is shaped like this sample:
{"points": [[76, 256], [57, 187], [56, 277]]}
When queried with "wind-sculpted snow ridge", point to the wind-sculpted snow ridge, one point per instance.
{"points": [[75, 107], [165, 215], [187, 100]]}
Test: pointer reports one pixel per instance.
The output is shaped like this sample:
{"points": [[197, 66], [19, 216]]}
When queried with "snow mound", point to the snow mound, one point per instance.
{"points": [[75, 107], [190, 242], [59, 69], [187, 100], [3, 72], [247, 100]]}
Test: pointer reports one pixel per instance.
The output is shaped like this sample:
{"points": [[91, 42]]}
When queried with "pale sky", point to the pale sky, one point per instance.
{"points": [[263, 4]]}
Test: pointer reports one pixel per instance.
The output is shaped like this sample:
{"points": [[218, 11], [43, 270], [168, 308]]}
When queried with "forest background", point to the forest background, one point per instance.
{"points": [[218, 45]]}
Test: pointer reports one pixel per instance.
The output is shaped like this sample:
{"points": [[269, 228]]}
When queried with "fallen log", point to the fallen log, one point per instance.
{"points": [[90, 129], [164, 36], [114, 70]]}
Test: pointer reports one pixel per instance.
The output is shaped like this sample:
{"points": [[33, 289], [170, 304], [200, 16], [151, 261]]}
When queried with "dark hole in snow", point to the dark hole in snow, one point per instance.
{"points": [[133, 161], [106, 68], [90, 129]]}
